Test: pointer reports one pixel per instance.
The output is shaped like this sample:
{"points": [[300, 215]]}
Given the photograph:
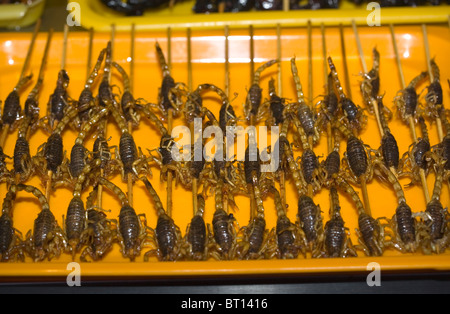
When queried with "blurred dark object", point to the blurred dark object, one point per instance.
{"points": [[133, 7], [269, 5], [206, 6], [239, 5], [402, 3]]}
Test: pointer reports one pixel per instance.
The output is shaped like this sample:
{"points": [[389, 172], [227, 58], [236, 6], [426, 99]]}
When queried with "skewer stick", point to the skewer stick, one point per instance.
{"points": [[227, 61], [63, 66], [412, 128], [282, 174], [325, 77], [310, 65], [191, 124], [366, 70], [252, 53], [6, 127], [89, 63], [344, 59], [440, 129], [169, 125]]}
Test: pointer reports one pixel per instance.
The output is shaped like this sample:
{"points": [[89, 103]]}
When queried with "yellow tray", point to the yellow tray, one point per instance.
{"points": [[95, 14], [20, 15], [208, 67]]}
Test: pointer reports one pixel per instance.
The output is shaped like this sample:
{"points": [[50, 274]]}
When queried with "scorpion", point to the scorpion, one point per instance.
{"points": [[98, 235], [169, 94], [287, 235], [436, 218], [58, 101], [370, 85], [105, 95], [75, 222], [353, 114], [5, 173], [337, 241], [166, 236], [418, 155], [304, 118], [196, 238], [50, 155], [22, 157], [128, 103], [255, 236], [403, 223], [277, 106], [434, 98], [253, 100], [406, 101], [309, 220], [389, 147], [11, 107], [223, 236], [79, 155], [11, 243], [86, 102], [47, 239], [370, 231], [132, 229]]}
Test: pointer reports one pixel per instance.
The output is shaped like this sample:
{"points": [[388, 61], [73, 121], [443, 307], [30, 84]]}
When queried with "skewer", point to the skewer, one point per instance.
{"points": [[344, 59], [430, 73], [411, 119], [63, 66], [325, 76], [280, 93], [227, 61], [169, 125], [89, 60], [7, 126], [310, 65], [366, 70], [191, 124], [252, 117]]}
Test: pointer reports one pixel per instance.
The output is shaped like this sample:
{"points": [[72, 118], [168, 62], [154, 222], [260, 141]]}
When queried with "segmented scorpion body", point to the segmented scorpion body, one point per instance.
{"points": [[196, 238], [292, 165], [418, 155], [276, 106], [353, 114], [403, 223], [132, 230], [75, 221], [99, 234], [310, 221], [370, 231], [128, 103], [87, 102], [11, 107], [105, 95], [337, 241], [169, 94], [389, 147], [255, 240], [304, 117], [47, 239], [370, 85], [58, 100], [50, 155], [254, 96], [11, 248], [288, 237], [407, 101], [223, 236], [436, 219], [167, 236], [329, 106], [5, 174], [434, 96]]}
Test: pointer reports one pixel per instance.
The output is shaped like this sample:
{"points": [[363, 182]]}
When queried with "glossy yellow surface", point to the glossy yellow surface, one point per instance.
{"points": [[208, 67], [20, 15], [95, 14]]}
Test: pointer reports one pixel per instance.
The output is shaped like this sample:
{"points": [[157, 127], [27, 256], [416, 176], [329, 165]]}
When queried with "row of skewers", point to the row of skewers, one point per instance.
{"points": [[88, 231]]}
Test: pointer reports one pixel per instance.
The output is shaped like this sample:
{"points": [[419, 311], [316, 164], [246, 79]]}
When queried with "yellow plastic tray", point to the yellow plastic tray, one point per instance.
{"points": [[95, 14], [20, 15], [208, 67]]}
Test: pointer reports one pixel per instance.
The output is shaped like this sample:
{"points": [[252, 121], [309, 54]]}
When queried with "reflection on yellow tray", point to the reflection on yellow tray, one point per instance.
{"points": [[208, 67]]}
